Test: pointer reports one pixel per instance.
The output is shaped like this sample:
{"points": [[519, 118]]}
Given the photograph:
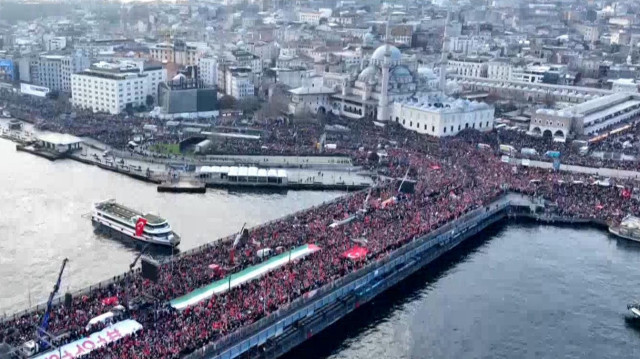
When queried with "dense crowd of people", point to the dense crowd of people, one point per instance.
{"points": [[452, 177]]}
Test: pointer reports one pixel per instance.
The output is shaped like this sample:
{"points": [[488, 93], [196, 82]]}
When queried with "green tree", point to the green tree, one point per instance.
{"points": [[226, 102]]}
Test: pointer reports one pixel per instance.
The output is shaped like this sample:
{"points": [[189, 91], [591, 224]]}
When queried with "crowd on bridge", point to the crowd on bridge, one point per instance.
{"points": [[450, 177]]}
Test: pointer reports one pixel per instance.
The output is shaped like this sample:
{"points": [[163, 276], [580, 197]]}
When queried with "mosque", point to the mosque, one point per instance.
{"points": [[386, 76], [388, 86]]}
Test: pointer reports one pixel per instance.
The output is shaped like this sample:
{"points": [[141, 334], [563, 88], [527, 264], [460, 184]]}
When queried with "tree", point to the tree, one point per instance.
{"points": [[149, 101], [129, 108], [226, 102], [248, 104]]}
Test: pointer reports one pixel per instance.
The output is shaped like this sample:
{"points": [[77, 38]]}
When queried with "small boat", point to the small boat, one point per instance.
{"points": [[629, 228], [121, 221], [635, 309]]}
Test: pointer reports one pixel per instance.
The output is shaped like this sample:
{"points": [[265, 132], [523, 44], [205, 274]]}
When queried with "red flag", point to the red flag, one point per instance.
{"points": [[232, 255], [140, 226], [355, 253], [626, 193], [110, 301]]}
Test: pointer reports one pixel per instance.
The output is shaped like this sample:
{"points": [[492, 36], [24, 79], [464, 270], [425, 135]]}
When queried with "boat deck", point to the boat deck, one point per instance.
{"points": [[118, 210]]}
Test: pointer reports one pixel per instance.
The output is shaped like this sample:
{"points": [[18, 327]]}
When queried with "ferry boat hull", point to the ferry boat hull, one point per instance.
{"points": [[121, 221], [123, 233], [616, 231]]}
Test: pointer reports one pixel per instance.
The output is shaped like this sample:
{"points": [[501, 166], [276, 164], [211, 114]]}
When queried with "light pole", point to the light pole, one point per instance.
{"points": [[290, 250]]}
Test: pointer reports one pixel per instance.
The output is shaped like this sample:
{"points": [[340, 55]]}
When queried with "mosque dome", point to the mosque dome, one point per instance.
{"points": [[400, 71], [426, 72], [378, 55], [369, 75]]}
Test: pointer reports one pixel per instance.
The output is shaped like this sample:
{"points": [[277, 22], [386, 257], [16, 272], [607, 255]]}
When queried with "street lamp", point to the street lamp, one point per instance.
{"points": [[290, 250]]}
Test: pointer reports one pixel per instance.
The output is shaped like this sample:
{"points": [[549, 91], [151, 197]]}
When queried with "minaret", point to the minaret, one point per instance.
{"points": [[383, 102], [444, 58]]}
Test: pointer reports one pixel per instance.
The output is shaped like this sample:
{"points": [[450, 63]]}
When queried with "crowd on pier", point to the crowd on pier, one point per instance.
{"points": [[452, 177], [277, 136]]}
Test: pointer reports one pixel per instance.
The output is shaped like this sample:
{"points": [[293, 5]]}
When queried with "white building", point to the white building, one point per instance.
{"points": [[238, 83], [310, 100], [624, 85], [208, 70], [530, 73], [439, 116], [55, 43], [587, 118], [499, 69], [111, 87], [468, 66], [311, 17]]}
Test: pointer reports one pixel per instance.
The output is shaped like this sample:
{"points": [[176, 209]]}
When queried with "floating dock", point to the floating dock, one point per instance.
{"points": [[182, 187]]}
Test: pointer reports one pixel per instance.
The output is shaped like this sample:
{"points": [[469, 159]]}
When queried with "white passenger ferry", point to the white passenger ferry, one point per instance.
{"points": [[629, 228], [123, 221]]}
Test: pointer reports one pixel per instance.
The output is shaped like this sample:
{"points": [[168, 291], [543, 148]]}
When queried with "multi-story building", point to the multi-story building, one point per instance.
{"points": [[238, 82], [443, 116], [50, 72], [184, 98], [469, 66], [54, 43], [242, 58], [401, 34], [54, 71], [111, 87], [208, 71], [589, 32], [499, 69], [310, 17], [179, 52]]}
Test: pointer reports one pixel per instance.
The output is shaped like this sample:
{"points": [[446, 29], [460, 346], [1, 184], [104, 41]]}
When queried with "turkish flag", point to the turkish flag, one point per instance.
{"points": [[355, 253], [140, 226]]}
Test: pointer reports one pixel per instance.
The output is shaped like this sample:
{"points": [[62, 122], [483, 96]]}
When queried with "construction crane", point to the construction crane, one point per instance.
{"points": [[44, 325], [130, 274], [236, 241]]}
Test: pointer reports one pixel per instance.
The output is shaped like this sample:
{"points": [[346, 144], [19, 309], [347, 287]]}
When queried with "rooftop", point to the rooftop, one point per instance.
{"points": [[59, 138]]}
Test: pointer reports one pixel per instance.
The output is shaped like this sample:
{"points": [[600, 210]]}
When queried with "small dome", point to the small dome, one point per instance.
{"points": [[378, 55], [179, 77], [400, 71], [368, 75], [426, 72]]}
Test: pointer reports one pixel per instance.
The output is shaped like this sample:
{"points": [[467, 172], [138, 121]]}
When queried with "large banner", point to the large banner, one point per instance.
{"points": [[33, 90], [96, 340], [7, 70]]}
